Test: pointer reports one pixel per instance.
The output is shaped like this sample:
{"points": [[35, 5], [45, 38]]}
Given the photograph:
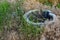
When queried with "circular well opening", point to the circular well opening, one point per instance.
{"points": [[37, 17]]}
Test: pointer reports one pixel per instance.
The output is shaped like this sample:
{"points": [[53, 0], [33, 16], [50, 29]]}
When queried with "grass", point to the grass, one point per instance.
{"points": [[27, 28], [4, 7], [46, 2], [58, 5], [7, 10]]}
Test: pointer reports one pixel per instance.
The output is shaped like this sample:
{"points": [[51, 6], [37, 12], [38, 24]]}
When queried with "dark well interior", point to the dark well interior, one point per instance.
{"points": [[42, 16]]}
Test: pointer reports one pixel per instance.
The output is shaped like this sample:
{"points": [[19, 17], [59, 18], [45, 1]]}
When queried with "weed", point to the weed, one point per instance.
{"points": [[58, 5]]}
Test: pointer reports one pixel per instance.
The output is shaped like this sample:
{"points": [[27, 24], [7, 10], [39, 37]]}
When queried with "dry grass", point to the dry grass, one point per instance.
{"points": [[21, 31], [29, 5], [52, 31]]}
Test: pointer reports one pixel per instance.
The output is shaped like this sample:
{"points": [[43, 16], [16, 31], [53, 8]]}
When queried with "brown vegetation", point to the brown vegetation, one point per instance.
{"points": [[51, 32]]}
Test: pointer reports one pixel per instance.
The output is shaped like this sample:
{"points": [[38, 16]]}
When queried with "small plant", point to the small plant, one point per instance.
{"points": [[48, 4], [58, 5]]}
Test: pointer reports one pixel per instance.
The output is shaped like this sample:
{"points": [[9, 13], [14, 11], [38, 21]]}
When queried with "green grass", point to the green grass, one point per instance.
{"points": [[6, 11], [48, 4], [4, 7], [58, 5]]}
